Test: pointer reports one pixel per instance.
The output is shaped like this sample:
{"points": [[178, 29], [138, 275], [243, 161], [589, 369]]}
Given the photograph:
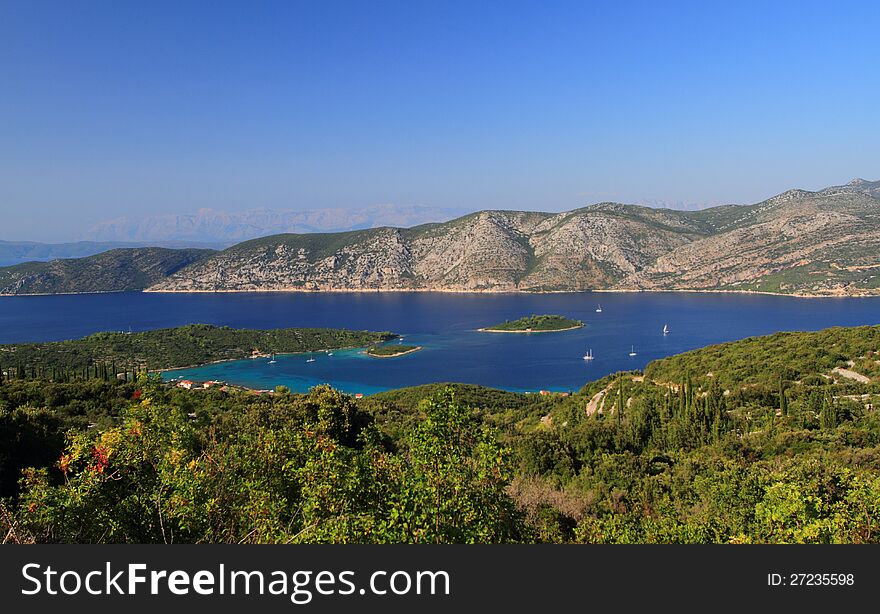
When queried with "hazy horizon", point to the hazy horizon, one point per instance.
{"points": [[113, 110], [120, 230]]}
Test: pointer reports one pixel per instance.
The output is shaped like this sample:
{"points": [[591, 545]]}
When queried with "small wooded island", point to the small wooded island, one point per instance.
{"points": [[389, 351], [535, 324]]}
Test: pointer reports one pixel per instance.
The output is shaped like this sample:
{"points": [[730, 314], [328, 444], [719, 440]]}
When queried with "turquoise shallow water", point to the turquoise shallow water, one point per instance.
{"points": [[445, 325]]}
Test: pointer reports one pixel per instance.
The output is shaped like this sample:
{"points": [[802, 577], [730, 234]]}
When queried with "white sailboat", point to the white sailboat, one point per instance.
{"points": [[589, 355], [666, 329], [272, 360], [311, 360], [632, 350], [599, 309]]}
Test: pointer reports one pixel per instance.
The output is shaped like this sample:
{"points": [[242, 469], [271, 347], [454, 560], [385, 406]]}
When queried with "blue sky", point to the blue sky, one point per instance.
{"points": [[115, 108]]}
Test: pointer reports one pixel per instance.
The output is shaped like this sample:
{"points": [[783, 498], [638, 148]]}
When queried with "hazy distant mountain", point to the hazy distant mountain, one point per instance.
{"points": [[16, 252], [210, 225]]}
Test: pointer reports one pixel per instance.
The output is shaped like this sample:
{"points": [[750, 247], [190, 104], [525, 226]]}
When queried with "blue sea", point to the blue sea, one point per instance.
{"points": [[445, 326]]}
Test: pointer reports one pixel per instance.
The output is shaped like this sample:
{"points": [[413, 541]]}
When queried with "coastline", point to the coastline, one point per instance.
{"points": [[415, 349], [5, 294], [257, 356], [461, 291], [529, 332], [503, 291]]}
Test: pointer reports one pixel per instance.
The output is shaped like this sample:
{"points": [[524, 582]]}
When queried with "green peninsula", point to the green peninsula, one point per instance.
{"points": [[183, 346], [389, 351]]}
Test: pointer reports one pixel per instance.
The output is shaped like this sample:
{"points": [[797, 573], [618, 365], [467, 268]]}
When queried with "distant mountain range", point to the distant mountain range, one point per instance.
{"points": [[209, 225], [799, 242]]}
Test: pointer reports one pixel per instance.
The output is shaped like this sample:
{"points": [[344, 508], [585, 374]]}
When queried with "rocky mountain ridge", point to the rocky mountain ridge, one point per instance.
{"points": [[801, 242]]}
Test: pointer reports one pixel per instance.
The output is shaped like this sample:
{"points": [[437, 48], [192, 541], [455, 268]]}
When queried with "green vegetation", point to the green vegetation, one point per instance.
{"points": [[116, 270], [282, 469], [536, 324], [813, 276], [167, 348], [759, 441], [763, 360], [387, 351]]}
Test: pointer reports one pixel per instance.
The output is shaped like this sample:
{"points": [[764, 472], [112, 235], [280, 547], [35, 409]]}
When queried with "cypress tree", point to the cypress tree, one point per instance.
{"points": [[682, 399], [783, 401], [828, 417], [689, 394]]}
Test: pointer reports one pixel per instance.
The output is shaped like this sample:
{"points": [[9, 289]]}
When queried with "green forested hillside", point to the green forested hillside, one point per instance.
{"points": [[763, 360], [115, 270], [746, 455], [177, 347]]}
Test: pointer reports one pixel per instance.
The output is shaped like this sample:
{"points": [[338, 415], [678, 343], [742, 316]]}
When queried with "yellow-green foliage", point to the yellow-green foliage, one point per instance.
{"points": [[753, 453]]}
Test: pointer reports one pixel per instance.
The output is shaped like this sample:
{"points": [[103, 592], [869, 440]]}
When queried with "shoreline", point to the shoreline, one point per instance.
{"points": [[410, 351], [221, 360], [462, 291], [500, 291], [529, 332]]}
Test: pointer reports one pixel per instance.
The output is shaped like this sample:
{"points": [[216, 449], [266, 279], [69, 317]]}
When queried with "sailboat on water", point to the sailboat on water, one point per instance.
{"points": [[272, 360], [666, 329], [589, 354], [599, 309], [632, 350]]}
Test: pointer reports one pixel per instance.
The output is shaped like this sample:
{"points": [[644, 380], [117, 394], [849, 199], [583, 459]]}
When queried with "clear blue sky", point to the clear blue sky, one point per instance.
{"points": [[112, 108]]}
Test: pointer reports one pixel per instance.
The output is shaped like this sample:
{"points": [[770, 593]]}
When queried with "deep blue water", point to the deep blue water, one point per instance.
{"points": [[445, 325]]}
